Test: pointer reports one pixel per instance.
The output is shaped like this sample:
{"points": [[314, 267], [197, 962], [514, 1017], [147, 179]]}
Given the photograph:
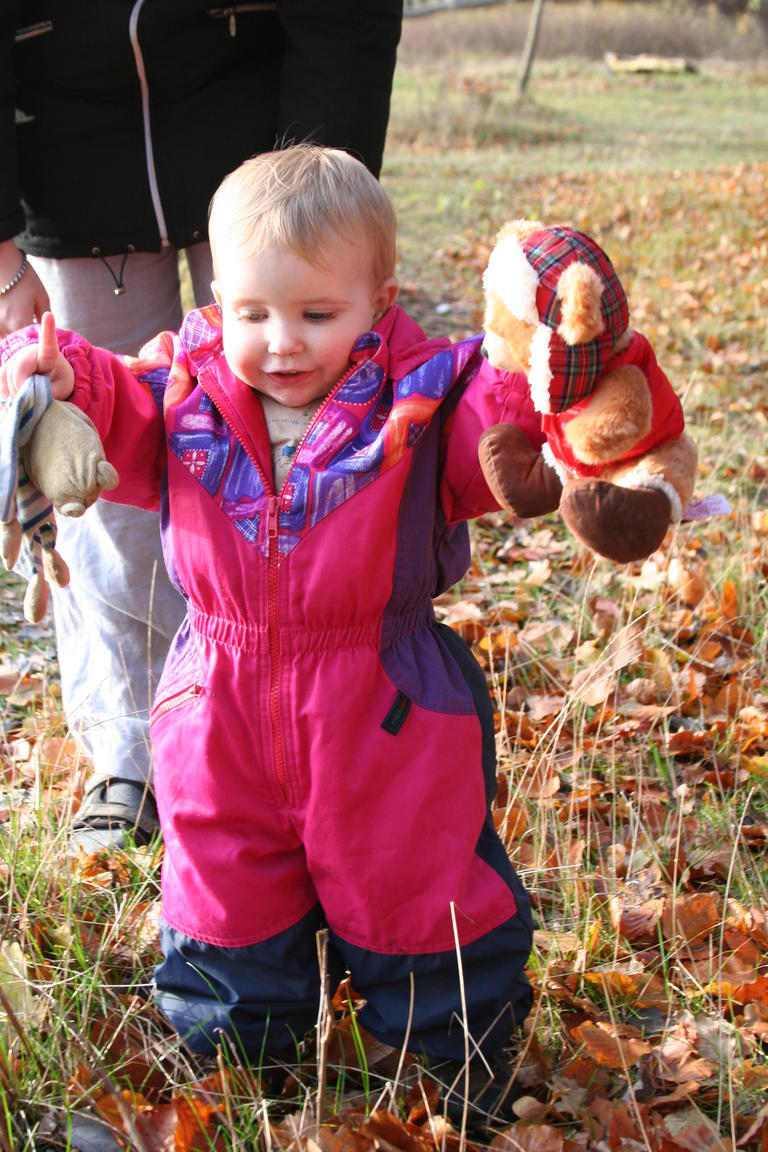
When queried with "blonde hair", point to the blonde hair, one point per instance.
{"points": [[298, 197]]}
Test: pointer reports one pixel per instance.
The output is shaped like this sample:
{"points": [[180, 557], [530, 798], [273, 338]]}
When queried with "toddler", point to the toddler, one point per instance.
{"points": [[323, 749]]}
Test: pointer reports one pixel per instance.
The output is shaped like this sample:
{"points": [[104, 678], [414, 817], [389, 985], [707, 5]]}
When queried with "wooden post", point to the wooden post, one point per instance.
{"points": [[529, 50]]}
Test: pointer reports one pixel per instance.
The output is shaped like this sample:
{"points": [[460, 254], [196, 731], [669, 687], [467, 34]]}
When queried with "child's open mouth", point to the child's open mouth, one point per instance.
{"points": [[292, 374]]}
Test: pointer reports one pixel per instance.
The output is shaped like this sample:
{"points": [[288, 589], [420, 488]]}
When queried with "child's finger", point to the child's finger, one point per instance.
{"points": [[16, 371], [47, 345]]}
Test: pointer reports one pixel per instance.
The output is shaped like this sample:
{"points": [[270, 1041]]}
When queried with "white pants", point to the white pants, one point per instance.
{"points": [[116, 618]]}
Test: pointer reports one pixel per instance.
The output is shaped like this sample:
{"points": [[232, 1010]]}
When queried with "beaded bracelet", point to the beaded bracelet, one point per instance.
{"points": [[17, 277]]}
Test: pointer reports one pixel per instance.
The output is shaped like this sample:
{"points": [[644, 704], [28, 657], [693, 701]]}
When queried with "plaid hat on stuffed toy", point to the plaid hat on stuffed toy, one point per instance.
{"points": [[525, 272]]}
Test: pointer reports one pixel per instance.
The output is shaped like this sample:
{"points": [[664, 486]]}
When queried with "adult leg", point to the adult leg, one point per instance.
{"points": [[116, 618]]}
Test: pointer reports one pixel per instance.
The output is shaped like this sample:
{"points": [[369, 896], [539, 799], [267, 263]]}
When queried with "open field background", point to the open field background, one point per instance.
{"points": [[632, 704]]}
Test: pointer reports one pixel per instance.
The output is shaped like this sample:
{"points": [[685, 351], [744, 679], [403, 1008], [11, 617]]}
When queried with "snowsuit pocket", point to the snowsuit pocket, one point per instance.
{"points": [[175, 700]]}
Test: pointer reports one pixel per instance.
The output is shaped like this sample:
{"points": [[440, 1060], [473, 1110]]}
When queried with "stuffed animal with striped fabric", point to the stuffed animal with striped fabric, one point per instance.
{"points": [[51, 457], [614, 426]]}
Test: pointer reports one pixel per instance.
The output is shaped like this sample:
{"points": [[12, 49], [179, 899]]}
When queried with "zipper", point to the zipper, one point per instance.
{"points": [[133, 32], [273, 631], [230, 12], [31, 30], [274, 502], [176, 699]]}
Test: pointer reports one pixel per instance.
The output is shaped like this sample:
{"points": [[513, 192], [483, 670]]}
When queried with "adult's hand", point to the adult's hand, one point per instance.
{"points": [[43, 358], [27, 300]]}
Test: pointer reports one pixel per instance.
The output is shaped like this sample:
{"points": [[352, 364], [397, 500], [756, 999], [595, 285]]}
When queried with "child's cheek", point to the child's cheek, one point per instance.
{"points": [[236, 352]]}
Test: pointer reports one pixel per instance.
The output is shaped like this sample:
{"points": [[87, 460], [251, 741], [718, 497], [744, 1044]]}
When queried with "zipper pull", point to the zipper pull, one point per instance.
{"points": [[272, 513], [232, 23]]}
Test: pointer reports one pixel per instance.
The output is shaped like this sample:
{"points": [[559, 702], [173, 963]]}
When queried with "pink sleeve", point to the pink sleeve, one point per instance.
{"points": [[122, 408], [491, 397]]}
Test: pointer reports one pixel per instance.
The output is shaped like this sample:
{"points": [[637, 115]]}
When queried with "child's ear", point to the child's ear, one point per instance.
{"points": [[216, 291], [385, 297]]}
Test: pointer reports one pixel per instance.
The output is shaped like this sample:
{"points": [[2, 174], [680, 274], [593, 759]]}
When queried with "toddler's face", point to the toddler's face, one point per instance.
{"points": [[288, 325]]}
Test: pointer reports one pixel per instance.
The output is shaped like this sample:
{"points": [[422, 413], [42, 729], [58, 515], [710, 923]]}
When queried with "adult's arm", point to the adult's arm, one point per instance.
{"points": [[27, 300], [337, 73], [11, 215]]}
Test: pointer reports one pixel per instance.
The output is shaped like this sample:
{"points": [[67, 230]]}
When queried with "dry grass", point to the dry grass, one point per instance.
{"points": [[582, 30]]}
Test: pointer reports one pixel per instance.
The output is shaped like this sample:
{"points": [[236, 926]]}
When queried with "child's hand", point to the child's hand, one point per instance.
{"points": [[43, 358]]}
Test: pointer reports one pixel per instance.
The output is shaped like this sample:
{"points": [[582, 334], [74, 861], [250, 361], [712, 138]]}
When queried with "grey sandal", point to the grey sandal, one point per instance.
{"points": [[113, 811]]}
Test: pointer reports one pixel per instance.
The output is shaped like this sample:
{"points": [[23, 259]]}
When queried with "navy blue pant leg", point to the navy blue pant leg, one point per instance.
{"points": [[498, 994], [264, 997]]}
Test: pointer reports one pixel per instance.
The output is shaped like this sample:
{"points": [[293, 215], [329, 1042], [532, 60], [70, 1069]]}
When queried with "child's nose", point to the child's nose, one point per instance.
{"points": [[282, 338]]}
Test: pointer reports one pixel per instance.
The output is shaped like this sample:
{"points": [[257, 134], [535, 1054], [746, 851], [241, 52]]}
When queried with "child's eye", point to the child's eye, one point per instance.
{"points": [[251, 317], [319, 317]]}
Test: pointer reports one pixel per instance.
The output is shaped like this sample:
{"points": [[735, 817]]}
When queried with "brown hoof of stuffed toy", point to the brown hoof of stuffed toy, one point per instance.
{"points": [[622, 524], [516, 473]]}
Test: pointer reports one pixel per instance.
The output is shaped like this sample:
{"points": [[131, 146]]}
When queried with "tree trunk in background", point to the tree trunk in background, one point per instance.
{"points": [[529, 51]]}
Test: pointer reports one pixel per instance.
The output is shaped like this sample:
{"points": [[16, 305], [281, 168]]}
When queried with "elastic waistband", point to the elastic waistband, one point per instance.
{"points": [[295, 638]]}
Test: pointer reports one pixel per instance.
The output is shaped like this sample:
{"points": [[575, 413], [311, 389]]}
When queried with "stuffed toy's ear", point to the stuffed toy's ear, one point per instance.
{"points": [[65, 459], [519, 229], [579, 290]]}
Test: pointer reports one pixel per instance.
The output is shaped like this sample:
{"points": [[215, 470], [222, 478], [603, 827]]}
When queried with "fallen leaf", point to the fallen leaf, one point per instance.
{"points": [[606, 614], [529, 1109], [540, 707], [642, 989], [537, 1138], [564, 944], [539, 573], [638, 921], [343, 1050], [691, 1131], [756, 989], [729, 600], [511, 822], [602, 1042], [688, 580], [9, 678], [691, 917], [196, 1121], [27, 690], [387, 1131], [26, 1008], [585, 1072], [539, 781], [594, 685]]}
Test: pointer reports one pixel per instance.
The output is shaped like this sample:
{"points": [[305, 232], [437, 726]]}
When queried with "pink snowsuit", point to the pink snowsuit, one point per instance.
{"points": [[323, 750]]}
